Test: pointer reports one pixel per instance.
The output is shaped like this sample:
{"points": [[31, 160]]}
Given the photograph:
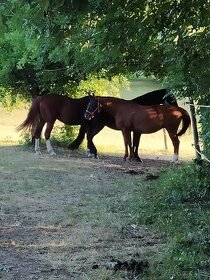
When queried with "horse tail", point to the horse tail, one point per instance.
{"points": [[33, 116], [185, 121]]}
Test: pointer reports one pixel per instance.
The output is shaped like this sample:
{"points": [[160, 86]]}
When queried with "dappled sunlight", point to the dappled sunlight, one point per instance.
{"points": [[51, 245], [177, 114], [153, 114], [48, 168], [18, 236]]}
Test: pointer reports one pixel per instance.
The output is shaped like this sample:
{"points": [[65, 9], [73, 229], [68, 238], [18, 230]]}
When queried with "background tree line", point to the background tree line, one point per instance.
{"points": [[49, 45]]}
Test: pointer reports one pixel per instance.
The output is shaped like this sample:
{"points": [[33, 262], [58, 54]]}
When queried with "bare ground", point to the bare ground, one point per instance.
{"points": [[62, 217]]}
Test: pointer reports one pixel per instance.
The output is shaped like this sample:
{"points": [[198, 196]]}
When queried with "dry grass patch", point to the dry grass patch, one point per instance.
{"points": [[60, 216]]}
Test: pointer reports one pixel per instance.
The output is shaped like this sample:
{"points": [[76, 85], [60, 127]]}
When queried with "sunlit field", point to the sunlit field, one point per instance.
{"points": [[8, 124], [108, 140]]}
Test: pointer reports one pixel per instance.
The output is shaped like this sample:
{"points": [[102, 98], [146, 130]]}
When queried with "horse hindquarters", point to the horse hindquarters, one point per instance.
{"points": [[172, 131]]}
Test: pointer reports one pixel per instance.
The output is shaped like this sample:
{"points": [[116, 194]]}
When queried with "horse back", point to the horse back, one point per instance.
{"points": [[63, 108], [146, 119]]}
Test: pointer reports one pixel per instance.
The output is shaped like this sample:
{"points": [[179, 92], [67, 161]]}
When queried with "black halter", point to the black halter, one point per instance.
{"points": [[98, 109]]}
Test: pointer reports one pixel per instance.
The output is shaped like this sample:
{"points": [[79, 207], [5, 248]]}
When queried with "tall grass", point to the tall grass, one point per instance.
{"points": [[177, 206]]}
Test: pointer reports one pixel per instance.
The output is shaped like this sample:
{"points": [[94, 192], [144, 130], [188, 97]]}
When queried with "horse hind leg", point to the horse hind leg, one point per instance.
{"points": [[37, 146], [80, 137], [36, 132], [50, 148], [175, 142], [47, 138]]}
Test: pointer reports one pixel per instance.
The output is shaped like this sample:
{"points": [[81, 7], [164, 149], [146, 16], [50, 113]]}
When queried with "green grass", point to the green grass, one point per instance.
{"points": [[177, 206]]}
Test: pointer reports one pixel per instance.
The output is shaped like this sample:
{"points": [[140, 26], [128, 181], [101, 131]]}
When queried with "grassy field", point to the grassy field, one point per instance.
{"points": [[71, 217], [62, 216]]}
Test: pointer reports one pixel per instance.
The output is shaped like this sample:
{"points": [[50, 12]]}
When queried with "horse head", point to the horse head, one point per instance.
{"points": [[93, 107]]}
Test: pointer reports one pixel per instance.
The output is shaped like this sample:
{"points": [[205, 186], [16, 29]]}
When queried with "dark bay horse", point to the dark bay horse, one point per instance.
{"points": [[160, 96], [47, 109], [132, 117]]}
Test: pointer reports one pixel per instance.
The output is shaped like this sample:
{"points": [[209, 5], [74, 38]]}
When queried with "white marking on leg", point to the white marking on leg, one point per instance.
{"points": [[50, 148], [94, 156], [175, 158], [88, 153], [36, 147]]}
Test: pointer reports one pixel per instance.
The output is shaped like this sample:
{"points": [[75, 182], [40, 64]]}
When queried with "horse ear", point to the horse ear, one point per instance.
{"points": [[91, 93]]}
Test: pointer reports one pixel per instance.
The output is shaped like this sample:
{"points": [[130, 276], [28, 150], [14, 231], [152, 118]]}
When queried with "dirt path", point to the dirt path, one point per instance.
{"points": [[62, 217]]}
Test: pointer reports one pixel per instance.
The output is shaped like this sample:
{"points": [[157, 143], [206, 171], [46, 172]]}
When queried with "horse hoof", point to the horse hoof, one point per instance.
{"points": [[175, 158], [139, 159], [89, 155], [38, 153], [136, 158], [126, 159], [52, 153], [175, 161]]}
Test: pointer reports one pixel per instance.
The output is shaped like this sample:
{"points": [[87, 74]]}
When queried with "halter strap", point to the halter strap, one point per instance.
{"points": [[98, 108]]}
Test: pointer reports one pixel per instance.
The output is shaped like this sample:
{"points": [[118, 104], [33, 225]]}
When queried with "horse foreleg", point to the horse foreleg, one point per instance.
{"points": [[37, 146], [94, 126], [127, 143], [47, 138], [91, 148], [80, 137], [36, 131], [50, 148], [175, 142], [136, 140]]}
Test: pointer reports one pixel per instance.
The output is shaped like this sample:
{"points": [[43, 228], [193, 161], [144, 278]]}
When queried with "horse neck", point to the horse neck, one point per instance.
{"points": [[109, 105]]}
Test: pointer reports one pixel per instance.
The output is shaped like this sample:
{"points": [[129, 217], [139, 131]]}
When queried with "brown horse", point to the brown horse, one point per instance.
{"points": [[131, 117], [156, 97], [49, 108]]}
